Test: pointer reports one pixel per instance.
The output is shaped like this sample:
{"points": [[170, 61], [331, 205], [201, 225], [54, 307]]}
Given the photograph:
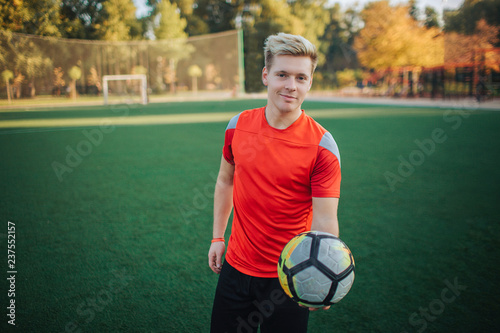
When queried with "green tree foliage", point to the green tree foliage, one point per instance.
{"points": [[118, 21], [39, 17], [194, 71], [75, 73], [171, 24], [258, 21], [315, 19], [7, 75], [413, 10], [336, 45], [171, 30], [380, 36], [193, 11], [431, 18], [79, 18], [25, 58], [465, 19], [111, 20]]}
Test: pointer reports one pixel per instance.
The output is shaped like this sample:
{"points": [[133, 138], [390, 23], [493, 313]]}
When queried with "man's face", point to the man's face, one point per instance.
{"points": [[288, 81]]}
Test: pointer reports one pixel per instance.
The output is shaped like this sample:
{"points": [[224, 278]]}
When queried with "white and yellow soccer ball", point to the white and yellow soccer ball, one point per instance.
{"points": [[316, 269]]}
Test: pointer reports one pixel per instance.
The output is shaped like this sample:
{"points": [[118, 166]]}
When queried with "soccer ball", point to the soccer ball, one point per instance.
{"points": [[316, 269]]}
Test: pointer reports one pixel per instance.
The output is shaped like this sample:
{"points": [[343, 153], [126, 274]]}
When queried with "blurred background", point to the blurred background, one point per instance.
{"points": [[431, 49]]}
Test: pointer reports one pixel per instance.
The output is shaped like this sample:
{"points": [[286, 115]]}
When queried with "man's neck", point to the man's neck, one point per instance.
{"points": [[281, 120]]}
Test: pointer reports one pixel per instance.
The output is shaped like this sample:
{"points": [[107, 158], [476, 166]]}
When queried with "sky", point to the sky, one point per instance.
{"points": [[439, 5]]}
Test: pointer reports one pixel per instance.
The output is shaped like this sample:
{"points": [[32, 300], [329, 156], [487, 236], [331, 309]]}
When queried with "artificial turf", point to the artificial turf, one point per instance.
{"points": [[119, 243]]}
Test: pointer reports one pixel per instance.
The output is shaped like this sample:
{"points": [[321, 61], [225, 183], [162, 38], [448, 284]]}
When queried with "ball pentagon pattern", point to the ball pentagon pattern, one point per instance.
{"points": [[316, 269]]}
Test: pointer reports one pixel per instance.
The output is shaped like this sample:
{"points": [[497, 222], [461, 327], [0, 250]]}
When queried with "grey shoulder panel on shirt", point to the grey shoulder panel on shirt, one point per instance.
{"points": [[328, 142], [233, 122]]}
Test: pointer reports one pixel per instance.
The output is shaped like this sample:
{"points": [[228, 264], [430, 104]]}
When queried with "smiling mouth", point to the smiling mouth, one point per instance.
{"points": [[288, 96]]}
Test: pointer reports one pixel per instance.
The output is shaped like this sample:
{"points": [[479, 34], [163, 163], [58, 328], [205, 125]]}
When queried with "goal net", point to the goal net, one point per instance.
{"points": [[125, 89], [208, 66]]}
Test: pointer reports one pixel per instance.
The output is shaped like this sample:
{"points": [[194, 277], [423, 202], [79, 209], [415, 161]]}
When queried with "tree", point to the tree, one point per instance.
{"points": [[347, 77], [259, 20], [431, 18], [337, 44], [392, 38], [464, 20], [194, 71], [170, 30], [413, 10], [16, 86], [41, 17], [461, 48], [93, 79], [193, 11], [171, 24], [26, 58], [79, 18], [217, 15], [58, 81], [31, 60], [75, 73], [118, 22], [196, 25], [7, 76], [315, 20]]}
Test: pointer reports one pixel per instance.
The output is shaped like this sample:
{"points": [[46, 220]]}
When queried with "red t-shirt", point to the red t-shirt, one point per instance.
{"points": [[277, 172]]}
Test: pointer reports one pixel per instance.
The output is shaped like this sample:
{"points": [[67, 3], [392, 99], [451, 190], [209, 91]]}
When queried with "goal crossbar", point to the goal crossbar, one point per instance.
{"points": [[142, 77]]}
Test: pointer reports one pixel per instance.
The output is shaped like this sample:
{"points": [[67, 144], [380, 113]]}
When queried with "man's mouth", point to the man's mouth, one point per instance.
{"points": [[288, 97]]}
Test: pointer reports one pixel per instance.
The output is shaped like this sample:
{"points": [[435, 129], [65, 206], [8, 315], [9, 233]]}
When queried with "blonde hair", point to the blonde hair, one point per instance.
{"points": [[287, 44]]}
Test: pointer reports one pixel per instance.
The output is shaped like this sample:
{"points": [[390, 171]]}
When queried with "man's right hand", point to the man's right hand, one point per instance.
{"points": [[215, 256]]}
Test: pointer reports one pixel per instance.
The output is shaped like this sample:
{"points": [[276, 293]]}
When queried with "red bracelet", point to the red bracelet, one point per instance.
{"points": [[218, 240]]}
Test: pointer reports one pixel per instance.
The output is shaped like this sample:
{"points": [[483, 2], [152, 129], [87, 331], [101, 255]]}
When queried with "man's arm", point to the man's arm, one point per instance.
{"points": [[325, 219], [325, 215], [223, 204]]}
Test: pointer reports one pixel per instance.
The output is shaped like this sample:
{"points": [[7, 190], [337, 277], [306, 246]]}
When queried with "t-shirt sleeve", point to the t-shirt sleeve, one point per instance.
{"points": [[227, 150], [326, 175]]}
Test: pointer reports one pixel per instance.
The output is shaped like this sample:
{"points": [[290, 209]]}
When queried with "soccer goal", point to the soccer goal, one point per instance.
{"points": [[130, 88]]}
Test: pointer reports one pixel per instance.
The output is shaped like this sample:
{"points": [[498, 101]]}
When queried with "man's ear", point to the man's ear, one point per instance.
{"points": [[264, 76], [310, 83]]}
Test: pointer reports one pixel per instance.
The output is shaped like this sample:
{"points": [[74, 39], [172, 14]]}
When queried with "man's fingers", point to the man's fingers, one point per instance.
{"points": [[214, 262], [315, 309], [218, 262], [215, 255]]}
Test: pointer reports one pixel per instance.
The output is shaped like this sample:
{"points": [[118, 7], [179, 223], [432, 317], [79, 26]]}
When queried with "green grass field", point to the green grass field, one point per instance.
{"points": [[113, 223]]}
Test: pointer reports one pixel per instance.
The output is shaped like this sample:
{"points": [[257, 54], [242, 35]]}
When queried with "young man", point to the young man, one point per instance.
{"points": [[281, 171]]}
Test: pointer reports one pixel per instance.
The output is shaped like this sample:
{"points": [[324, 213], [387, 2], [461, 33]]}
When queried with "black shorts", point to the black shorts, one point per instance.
{"points": [[243, 303]]}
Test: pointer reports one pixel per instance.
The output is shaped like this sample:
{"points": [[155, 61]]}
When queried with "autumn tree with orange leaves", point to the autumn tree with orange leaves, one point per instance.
{"points": [[391, 37], [463, 49]]}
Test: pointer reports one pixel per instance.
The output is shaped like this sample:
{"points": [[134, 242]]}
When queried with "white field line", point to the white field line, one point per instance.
{"points": [[198, 118]]}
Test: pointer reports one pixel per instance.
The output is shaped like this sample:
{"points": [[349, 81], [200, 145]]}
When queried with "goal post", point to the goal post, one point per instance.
{"points": [[217, 60], [142, 87]]}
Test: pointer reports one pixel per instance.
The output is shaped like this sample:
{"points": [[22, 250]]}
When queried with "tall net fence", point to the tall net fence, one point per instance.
{"points": [[45, 66]]}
